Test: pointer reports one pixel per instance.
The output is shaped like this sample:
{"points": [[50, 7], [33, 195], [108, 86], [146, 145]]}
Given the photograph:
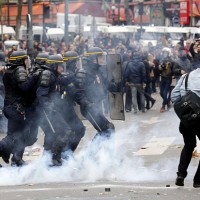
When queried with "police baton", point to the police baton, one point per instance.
{"points": [[94, 121], [50, 124]]}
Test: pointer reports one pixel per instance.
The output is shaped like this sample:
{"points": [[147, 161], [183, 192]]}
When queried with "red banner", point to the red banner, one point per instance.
{"points": [[184, 12]]}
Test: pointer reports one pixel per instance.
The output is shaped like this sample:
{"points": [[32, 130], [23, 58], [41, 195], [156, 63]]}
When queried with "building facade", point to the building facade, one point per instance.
{"points": [[155, 12]]}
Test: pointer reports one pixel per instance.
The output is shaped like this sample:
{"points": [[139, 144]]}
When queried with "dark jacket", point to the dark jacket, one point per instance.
{"points": [[135, 71], [181, 64]]}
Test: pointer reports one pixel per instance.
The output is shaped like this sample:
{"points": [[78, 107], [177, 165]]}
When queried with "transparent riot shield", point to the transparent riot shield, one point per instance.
{"points": [[114, 72], [79, 63]]}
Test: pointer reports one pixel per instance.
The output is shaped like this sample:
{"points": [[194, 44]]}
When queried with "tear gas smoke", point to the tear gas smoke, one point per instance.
{"points": [[97, 161]]}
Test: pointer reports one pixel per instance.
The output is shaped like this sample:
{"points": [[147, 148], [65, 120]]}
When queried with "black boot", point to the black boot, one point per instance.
{"points": [[17, 161], [4, 152], [179, 181], [56, 160]]}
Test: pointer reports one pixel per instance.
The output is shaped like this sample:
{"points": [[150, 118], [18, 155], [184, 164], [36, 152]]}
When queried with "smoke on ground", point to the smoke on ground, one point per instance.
{"points": [[99, 160]]}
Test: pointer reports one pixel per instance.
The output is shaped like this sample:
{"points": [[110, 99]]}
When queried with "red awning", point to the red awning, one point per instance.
{"points": [[83, 8]]}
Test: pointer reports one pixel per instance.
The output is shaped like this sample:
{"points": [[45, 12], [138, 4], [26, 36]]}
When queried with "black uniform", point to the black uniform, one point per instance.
{"points": [[58, 134], [67, 103], [16, 85], [90, 87]]}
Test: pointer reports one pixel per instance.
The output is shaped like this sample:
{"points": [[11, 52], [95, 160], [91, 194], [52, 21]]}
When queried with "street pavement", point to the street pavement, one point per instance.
{"points": [[139, 162]]}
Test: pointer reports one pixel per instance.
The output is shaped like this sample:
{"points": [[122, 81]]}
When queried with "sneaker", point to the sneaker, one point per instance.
{"points": [[196, 185], [148, 107], [179, 181], [162, 109]]}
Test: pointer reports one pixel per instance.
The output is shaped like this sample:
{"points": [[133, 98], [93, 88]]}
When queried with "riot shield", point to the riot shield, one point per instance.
{"points": [[79, 63], [114, 73]]}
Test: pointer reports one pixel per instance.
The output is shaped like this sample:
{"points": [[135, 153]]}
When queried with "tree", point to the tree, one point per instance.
{"points": [[127, 12], [19, 17]]}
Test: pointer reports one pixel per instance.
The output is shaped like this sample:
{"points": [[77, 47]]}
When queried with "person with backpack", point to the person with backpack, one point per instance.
{"points": [[188, 86]]}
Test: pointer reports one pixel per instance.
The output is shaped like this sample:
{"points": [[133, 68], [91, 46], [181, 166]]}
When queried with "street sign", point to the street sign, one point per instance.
{"points": [[175, 20]]}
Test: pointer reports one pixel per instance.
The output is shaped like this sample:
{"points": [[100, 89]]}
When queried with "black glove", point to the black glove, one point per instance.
{"points": [[114, 86]]}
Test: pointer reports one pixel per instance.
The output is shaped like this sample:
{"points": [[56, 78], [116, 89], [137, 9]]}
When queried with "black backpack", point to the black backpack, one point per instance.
{"points": [[187, 107]]}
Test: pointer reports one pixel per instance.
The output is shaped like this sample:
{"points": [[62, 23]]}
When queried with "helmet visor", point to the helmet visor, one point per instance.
{"points": [[165, 54], [61, 67], [102, 59]]}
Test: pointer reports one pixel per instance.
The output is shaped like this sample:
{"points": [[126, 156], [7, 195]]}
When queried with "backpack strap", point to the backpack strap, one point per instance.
{"points": [[186, 81]]}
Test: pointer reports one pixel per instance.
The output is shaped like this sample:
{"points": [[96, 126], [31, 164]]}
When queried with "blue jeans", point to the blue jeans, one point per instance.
{"points": [[165, 90], [134, 89]]}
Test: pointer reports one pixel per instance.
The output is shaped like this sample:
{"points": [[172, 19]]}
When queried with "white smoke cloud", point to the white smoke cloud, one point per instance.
{"points": [[111, 160]]}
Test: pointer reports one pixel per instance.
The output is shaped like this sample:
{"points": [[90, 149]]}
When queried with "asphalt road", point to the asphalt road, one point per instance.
{"points": [[139, 162]]}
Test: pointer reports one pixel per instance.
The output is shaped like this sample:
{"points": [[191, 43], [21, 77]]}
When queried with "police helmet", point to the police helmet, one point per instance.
{"points": [[93, 53], [70, 55], [54, 61], [70, 58], [166, 52], [41, 58], [18, 57]]}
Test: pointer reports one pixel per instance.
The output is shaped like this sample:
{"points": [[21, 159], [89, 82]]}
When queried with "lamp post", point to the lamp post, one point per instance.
{"points": [[140, 11], [8, 2], [113, 14], [119, 12], [191, 11], [66, 23], [30, 28]]}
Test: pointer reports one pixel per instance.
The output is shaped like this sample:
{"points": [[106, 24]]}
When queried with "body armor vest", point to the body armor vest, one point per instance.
{"points": [[12, 91]]}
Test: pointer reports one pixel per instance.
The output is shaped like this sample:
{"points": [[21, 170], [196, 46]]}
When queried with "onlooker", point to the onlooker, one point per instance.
{"points": [[14, 48], [135, 77], [166, 70], [189, 133]]}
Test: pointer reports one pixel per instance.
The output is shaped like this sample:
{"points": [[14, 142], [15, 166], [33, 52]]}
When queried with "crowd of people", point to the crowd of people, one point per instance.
{"points": [[42, 93]]}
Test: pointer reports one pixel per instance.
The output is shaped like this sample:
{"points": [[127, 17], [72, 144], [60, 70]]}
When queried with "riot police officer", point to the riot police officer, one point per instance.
{"points": [[33, 116], [58, 134], [16, 85], [66, 106], [90, 91]]}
